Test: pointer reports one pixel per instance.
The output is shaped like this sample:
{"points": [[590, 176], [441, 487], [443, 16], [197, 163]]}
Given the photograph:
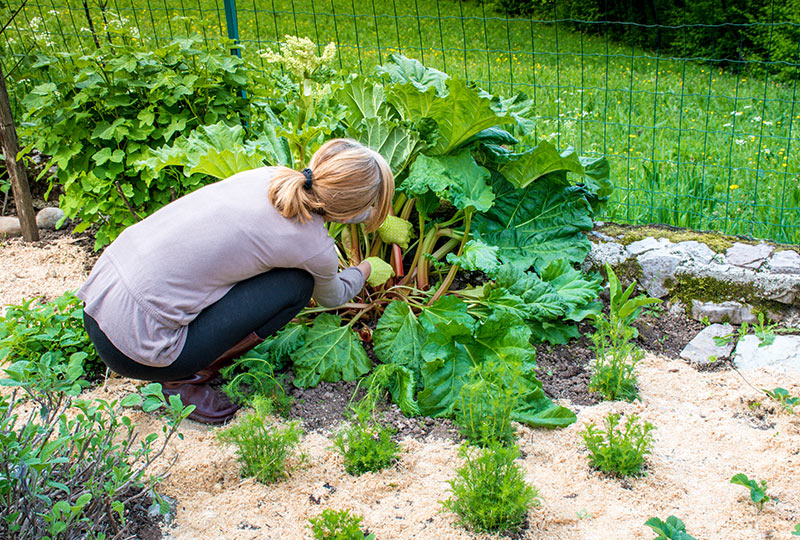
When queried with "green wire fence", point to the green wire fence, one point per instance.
{"points": [[697, 137]]}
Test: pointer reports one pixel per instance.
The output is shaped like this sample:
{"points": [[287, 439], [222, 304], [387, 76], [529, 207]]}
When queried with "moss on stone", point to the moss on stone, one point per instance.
{"points": [[719, 243], [708, 289]]}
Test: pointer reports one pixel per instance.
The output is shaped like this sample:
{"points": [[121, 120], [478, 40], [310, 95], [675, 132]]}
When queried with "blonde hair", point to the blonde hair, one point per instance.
{"points": [[348, 180]]}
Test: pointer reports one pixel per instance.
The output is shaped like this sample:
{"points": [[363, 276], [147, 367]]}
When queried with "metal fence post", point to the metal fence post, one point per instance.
{"points": [[232, 22], [233, 25]]}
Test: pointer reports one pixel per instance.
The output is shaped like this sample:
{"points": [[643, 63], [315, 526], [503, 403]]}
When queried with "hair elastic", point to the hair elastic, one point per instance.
{"points": [[309, 178]]}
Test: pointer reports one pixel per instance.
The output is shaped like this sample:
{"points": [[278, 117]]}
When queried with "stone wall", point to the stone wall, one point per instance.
{"points": [[731, 286]]}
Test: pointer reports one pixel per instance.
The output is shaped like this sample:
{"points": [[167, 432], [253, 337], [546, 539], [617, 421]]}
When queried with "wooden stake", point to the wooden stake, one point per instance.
{"points": [[16, 171]]}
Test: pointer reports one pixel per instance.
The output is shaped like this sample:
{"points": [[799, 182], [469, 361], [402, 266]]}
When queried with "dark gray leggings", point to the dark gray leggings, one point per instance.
{"points": [[262, 304]]}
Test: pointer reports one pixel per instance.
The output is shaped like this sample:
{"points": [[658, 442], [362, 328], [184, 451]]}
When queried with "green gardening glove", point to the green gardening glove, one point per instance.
{"points": [[395, 230], [380, 271]]}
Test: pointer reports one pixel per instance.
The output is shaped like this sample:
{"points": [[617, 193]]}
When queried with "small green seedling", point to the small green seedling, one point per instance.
{"points": [[758, 490], [672, 529], [764, 331], [782, 396], [796, 530], [618, 450], [341, 525]]}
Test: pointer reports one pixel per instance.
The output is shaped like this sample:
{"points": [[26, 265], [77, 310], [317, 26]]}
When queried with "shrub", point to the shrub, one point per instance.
{"points": [[267, 451], [70, 468], [30, 330], [101, 112], [365, 444], [619, 452], [489, 492], [341, 525]]}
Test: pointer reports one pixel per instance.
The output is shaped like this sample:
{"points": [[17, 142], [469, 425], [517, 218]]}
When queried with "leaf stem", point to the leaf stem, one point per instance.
{"points": [[448, 280]]}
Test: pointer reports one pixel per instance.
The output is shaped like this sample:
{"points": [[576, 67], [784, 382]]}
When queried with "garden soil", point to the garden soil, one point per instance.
{"points": [[710, 426]]}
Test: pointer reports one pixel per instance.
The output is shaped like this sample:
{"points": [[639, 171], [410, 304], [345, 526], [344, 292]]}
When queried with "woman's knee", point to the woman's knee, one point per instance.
{"points": [[300, 281]]}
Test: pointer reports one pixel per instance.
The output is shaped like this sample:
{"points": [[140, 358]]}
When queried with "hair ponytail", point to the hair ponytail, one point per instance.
{"points": [[349, 180], [288, 194]]}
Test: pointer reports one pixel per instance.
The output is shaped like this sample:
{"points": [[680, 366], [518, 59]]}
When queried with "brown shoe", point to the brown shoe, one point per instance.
{"points": [[211, 407]]}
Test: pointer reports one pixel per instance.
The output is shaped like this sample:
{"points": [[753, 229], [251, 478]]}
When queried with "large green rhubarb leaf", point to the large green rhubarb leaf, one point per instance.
{"points": [[401, 383], [577, 290], [362, 99], [453, 351], [398, 337], [461, 115], [535, 409], [446, 369], [395, 143], [446, 309], [225, 163], [537, 225], [476, 256], [217, 150], [456, 178], [403, 70], [540, 160], [331, 353]]}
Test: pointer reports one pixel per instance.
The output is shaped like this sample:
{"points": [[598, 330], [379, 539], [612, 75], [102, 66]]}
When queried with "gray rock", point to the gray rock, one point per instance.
{"points": [[694, 250], [647, 244], [676, 309], [782, 355], [783, 288], [748, 256], [703, 349], [9, 226], [611, 253], [785, 262], [47, 218], [732, 312], [657, 266]]}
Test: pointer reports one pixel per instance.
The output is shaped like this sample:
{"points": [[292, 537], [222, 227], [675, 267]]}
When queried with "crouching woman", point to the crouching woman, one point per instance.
{"points": [[182, 293]]}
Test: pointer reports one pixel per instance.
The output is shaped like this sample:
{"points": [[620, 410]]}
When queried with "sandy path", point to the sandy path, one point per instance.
{"points": [[706, 433]]}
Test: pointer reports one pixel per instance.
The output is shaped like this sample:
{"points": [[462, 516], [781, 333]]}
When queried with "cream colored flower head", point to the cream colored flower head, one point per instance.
{"points": [[299, 58]]}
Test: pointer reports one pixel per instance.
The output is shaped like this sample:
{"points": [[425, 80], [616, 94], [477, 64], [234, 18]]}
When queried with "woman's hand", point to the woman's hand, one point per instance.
{"points": [[366, 269]]}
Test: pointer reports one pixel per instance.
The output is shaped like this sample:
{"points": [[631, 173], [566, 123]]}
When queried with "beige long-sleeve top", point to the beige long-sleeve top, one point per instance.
{"points": [[155, 278]]}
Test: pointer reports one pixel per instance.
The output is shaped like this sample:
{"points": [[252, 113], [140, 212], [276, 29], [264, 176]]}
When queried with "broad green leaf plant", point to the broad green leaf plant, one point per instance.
{"points": [[105, 110]]}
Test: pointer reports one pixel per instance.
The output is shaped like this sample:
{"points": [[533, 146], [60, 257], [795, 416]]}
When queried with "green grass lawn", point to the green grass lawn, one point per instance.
{"points": [[690, 144]]}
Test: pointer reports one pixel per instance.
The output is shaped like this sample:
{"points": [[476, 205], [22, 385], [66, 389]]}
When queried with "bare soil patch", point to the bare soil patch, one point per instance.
{"points": [[710, 426]]}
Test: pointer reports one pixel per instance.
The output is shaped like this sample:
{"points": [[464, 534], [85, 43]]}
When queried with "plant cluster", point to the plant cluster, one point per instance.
{"points": [[266, 450], [365, 443], [31, 330], [485, 405], [337, 525], [671, 529], [618, 450], [758, 490], [70, 467], [617, 356], [103, 111], [489, 493]]}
